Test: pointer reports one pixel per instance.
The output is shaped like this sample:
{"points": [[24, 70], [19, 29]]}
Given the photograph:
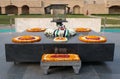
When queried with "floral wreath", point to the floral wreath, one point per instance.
{"points": [[82, 29], [93, 39], [36, 29], [26, 39]]}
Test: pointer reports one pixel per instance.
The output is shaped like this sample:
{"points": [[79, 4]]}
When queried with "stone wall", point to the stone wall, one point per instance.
{"points": [[95, 9], [37, 6]]}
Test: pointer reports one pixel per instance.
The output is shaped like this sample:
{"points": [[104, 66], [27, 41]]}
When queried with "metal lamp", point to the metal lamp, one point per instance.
{"points": [[59, 13]]}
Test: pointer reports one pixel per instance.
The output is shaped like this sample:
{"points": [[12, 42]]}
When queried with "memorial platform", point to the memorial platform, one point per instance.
{"points": [[32, 52], [89, 70]]}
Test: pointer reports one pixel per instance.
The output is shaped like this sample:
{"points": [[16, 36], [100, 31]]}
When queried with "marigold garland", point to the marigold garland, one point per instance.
{"points": [[26, 39], [93, 39], [36, 29], [82, 29], [60, 39], [60, 57]]}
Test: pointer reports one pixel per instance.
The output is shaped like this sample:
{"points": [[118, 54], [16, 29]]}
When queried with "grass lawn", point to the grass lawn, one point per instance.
{"points": [[108, 15], [4, 19], [113, 19], [77, 16]]}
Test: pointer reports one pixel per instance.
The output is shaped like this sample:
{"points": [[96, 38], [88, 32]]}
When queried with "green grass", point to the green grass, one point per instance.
{"points": [[111, 21], [77, 16], [4, 19], [108, 15], [34, 16]]}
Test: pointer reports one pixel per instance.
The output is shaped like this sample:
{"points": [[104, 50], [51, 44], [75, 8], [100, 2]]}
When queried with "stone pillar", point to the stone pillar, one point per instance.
{"points": [[82, 10], [107, 10], [2, 10], [51, 11], [71, 10], [19, 10], [42, 10]]}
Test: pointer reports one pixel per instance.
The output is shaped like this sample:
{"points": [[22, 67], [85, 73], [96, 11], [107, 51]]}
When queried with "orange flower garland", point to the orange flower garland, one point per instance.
{"points": [[36, 29], [60, 39], [60, 57], [92, 39], [82, 29], [26, 39]]}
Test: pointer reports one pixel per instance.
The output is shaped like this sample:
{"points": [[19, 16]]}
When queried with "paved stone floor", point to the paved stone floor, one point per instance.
{"points": [[94, 70]]}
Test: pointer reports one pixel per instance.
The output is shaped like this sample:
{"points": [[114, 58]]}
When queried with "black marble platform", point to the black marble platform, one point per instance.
{"points": [[32, 52]]}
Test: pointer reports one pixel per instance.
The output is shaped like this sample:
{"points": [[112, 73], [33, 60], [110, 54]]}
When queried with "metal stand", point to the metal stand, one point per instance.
{"points": [[59, 24], [75, 64], [104, 26], [104, 23], [10, 21]]}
